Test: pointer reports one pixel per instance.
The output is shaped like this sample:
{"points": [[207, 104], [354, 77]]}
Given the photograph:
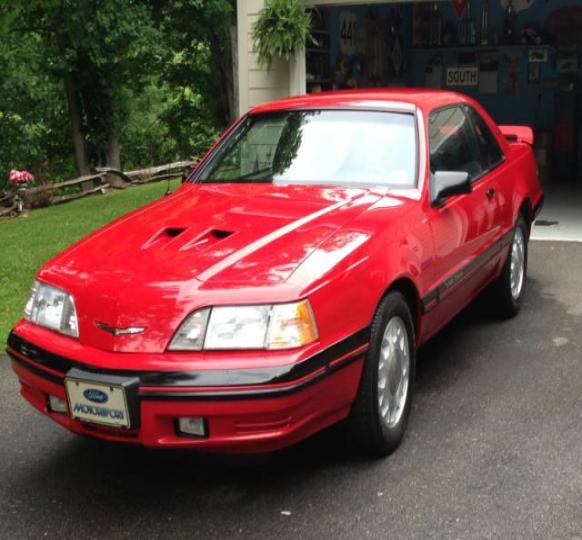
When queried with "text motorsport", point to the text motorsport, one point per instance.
{"points": [[101, 412]]}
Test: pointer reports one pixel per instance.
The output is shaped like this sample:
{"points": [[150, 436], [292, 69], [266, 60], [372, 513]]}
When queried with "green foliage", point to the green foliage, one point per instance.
{"points": [[197, 33], [281, 30], [188, 123], [152, 74], [32, 110], [145, 135], [33, 240], [104, 48]]}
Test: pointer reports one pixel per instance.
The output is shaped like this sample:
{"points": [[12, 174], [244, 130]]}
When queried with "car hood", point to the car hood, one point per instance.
{"points": [[205, 243]]}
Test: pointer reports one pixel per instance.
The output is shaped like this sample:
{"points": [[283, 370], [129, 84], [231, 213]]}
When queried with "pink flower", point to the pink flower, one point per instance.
{"points": [[17, 178]]}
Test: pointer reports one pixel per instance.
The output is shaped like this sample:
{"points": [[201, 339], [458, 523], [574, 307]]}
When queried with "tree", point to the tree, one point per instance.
{"points": [[100, 50], [200, 35], [33, 109], [127, 79], [97, 50]]}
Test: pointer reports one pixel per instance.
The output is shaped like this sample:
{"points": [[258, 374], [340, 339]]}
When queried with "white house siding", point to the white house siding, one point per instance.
{"points": [[257, 84]]}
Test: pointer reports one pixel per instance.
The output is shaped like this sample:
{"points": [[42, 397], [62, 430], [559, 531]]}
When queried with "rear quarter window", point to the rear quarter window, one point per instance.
{"points": [[452, 143], [489, 150]]}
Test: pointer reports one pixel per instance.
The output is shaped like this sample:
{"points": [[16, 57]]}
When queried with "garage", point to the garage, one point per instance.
{"points": [[518, 58]]}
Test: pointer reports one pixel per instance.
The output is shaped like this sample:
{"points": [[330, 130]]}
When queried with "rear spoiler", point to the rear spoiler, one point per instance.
{"points": [[519, 134]]}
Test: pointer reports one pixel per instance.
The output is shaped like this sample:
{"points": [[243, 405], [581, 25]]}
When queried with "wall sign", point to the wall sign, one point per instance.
{"points": [[568, 64], [537, 55], [348, 28], [534, 72], [488, 72], [462, 76], [460, 6], [516, 5]]}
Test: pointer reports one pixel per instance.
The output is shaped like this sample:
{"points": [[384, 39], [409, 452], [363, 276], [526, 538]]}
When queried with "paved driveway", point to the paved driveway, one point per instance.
{"points": [[494, 449]]}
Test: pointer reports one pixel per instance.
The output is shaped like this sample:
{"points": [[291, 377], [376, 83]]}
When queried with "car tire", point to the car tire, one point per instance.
{"points": [[380, 411], [508, 290]]}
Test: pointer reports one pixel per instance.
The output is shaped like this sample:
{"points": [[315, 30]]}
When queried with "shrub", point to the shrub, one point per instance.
{"points": [[281, 30]]}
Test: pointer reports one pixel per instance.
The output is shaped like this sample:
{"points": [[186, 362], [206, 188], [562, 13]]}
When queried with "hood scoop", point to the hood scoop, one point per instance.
{"points": [[168, 234], [206, 239], [172, 232], [163, 236]]}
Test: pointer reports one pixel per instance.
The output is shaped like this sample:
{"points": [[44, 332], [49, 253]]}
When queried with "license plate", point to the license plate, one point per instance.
{"points": [[98, 403]]}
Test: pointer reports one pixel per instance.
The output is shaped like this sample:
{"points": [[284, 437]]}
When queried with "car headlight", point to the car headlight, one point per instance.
{"points": [[277, 326], [52, 308]]}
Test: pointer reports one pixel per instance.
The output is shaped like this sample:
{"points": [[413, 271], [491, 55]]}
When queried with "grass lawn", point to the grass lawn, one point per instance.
{"points": [[27, 242]]}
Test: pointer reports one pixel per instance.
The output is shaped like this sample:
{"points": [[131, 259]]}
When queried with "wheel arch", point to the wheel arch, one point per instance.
{"points": [[407, 288], [526, 210]]}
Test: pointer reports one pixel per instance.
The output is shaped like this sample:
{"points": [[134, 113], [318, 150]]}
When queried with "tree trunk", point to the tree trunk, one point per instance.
{"points": [[76, 125], [222, 56], [113, 157]]}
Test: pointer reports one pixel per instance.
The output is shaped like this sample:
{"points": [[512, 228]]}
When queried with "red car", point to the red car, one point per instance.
{"points": [[288, 283]]}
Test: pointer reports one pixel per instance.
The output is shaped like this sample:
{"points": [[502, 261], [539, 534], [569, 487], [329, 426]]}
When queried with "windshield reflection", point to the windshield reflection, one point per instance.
{"points": [[354, 147]]}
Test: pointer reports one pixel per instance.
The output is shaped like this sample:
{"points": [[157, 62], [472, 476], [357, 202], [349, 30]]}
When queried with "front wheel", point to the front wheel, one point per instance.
{"points": [[380, 412], [509, 287]]}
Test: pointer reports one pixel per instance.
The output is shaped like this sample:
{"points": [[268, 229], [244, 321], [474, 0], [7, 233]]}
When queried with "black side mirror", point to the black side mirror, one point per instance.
{"points": [[445, 184]]}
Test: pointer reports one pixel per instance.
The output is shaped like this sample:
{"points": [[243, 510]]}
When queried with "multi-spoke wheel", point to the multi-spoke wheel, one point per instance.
{"points": [[380, 412], [508, 289], [517, 265], [393, 372]]}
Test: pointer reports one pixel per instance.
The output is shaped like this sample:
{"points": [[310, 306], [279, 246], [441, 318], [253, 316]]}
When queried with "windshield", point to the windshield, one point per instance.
{"points": [[319, 147]]}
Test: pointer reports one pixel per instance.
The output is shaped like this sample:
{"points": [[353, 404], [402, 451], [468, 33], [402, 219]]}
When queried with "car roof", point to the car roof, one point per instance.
{"points": [[389, 98]]}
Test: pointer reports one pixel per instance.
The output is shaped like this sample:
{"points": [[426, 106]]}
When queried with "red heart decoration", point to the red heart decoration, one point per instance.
{"points": [[460, 6]]}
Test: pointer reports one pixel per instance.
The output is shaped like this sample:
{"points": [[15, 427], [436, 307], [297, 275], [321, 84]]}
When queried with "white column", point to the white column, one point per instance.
{"points": [[243, 29], [297, 70]]}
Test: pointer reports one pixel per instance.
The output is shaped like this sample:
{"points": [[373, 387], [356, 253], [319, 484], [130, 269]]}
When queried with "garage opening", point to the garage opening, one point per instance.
{"points": [[518, 58]]}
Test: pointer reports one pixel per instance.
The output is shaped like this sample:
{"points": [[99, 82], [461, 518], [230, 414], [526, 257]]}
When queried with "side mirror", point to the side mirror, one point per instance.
{"points": [[445, 184]]}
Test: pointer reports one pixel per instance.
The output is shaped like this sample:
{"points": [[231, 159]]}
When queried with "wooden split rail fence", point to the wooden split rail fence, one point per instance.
{"points": [[105, 178]]}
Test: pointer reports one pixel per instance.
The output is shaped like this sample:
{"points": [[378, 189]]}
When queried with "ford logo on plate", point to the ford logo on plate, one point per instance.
{"points": [[96, 396]]}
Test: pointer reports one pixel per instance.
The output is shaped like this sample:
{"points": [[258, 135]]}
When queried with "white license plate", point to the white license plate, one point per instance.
{"points": [[97, 402]]}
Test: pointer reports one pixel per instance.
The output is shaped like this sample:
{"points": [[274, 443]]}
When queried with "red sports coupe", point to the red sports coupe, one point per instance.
{"points": [[288, 283]]}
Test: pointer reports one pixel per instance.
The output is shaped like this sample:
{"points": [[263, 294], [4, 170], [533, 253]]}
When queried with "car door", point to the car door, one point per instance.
{"points": [[464, 227], [493, 164]]}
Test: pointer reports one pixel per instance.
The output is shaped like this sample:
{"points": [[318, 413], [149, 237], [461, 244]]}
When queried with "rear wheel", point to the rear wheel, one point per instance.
{"points": [[380, 413], [509, 287]]}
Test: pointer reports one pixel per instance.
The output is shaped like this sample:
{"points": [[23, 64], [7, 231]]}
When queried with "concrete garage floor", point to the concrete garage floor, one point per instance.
{"points": [[561, 216], [493, 451]]}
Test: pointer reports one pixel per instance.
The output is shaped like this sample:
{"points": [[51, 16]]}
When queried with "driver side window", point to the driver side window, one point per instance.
{"points": [[452, 143]]}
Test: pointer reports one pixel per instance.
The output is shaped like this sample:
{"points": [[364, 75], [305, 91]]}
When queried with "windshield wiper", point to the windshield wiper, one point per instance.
{"points": [[255, 173], [241, 179]]}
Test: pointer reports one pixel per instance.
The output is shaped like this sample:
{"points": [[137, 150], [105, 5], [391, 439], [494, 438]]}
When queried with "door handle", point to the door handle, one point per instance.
{"points": [[490, 193]]}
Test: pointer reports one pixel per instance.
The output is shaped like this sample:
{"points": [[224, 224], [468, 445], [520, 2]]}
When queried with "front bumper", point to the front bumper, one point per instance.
{"points": [[282, 406]]}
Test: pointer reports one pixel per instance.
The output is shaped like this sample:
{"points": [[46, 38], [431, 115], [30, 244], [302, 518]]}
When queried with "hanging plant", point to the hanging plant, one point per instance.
{"points": [[282, 29]]}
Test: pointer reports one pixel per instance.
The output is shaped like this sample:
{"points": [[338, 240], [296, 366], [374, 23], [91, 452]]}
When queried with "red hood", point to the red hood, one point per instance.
{"points": [[154, 266]]}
